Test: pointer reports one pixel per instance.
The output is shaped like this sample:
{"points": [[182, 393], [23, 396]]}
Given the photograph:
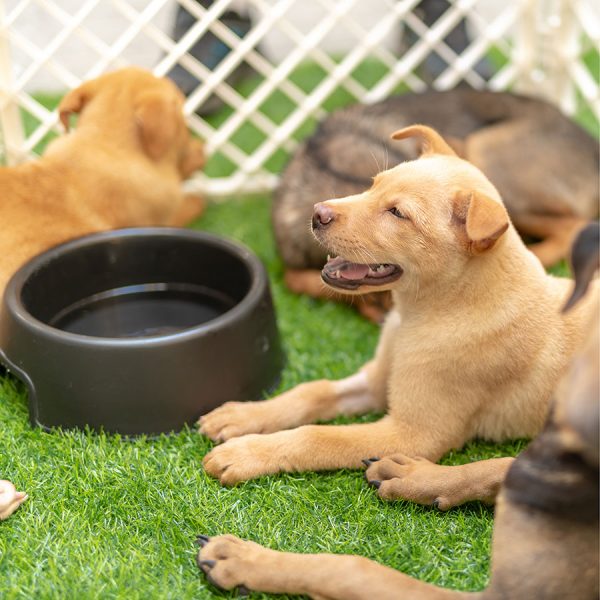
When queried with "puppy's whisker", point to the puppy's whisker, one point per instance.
{"points": [[375, 160], [366, 254]]}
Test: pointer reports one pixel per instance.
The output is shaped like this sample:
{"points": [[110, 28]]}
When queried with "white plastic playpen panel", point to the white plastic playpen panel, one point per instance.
{"points": [[305, 57]]}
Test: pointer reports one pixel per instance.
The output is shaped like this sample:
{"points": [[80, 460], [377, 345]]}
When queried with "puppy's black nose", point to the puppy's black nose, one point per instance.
{"points": [[322, 216]]}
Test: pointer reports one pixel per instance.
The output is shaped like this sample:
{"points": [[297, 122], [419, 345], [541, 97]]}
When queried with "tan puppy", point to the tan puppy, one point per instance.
{"points": [[121, 167], [545, 542], [474, 346]]}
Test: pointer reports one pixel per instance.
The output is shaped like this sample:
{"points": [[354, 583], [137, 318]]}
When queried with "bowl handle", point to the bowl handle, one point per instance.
{"points": [[20, 374]]}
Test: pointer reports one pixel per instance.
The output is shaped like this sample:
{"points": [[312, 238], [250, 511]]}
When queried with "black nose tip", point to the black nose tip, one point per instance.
{"points": [[322, 216]]}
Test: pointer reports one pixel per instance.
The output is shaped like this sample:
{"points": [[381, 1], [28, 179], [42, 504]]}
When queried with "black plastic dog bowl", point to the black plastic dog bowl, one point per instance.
{"points": [[139, 331]]}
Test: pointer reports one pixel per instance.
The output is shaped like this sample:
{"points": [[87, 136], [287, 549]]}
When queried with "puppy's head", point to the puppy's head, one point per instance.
{"points": [[132, 107], [421, 221]]}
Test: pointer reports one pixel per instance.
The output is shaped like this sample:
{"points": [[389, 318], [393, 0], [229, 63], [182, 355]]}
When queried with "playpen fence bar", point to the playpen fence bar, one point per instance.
{"points": [[226, 92], [542, 42]]}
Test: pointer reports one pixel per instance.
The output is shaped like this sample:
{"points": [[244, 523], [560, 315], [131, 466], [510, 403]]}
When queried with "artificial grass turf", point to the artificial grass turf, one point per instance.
{"points": [[113, 519]]}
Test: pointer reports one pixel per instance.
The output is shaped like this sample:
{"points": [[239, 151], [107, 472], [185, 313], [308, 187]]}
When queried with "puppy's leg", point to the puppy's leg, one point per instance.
{"points": [[309, 282], [230, 562], [557, 235], [424, 482], [306, 403], [317, 448]]}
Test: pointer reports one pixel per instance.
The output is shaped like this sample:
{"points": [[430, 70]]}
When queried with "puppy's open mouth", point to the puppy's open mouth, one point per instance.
{"points": [[347, 275]]}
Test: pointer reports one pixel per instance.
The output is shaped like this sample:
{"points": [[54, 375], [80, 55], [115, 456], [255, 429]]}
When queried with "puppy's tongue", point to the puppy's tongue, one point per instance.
{"points": [[350, 276], [354, 271]]}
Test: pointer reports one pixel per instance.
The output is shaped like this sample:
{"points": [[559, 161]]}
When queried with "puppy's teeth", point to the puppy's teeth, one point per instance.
{"points": [[328, 257]]}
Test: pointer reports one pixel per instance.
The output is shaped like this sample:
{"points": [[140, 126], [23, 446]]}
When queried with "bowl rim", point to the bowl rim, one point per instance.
{"points": [[13, 303]]}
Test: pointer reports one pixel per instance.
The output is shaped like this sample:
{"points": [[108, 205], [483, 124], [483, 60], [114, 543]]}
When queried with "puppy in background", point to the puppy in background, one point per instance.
{"points": [[544, 166], [121, 167], [545, 541]]}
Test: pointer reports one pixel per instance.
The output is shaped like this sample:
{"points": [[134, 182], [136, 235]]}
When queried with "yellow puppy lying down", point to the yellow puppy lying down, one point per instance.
{"points": [[473, 347]]}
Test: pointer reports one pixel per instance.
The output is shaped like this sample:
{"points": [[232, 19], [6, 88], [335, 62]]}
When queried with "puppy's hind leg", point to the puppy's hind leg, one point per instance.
{"points": [[309, 282], [191, 207], [556, 234]]}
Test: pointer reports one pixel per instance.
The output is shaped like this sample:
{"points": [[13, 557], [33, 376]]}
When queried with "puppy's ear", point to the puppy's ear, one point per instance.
{"points": [[431, 141], [484, 220], [157, 117], [75, 101]]}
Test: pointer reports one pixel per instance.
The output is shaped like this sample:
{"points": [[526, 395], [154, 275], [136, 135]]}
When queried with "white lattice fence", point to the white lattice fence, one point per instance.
{"points": [[301, 57]]}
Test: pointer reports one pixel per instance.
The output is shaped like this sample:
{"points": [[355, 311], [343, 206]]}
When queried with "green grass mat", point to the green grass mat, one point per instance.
{"points": [[114, 519]]}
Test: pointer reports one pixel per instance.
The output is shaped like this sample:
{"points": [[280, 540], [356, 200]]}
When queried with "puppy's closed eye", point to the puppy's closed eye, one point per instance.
{"points": [[397, 213]]}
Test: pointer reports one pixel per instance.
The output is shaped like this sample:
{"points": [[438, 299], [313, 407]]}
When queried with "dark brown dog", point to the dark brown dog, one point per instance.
{"points": [[544, 166], [545, 542]]}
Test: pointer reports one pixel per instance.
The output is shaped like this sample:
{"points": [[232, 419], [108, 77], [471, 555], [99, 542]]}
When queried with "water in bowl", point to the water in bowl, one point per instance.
{"points": [[146, 310]]}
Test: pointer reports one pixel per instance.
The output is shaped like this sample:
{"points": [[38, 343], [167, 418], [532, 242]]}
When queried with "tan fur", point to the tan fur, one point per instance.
{"points": [[424, 482], [122, 166], [545, 542], [474, 346]]}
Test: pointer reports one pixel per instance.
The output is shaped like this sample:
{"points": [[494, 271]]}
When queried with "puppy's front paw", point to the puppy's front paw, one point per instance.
{"points": [[417, 479], [234, 419], [245, 458], [229, 562]]}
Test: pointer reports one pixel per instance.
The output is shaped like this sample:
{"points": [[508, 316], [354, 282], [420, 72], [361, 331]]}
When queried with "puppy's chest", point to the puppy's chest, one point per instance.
{"points": [[444, 365], [420, 369]]}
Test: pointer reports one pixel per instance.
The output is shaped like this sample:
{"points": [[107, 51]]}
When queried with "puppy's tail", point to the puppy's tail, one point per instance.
{"points": [[585, 261]]}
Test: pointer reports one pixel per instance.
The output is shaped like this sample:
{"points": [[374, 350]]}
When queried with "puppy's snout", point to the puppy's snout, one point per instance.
{"points": [[322, 216]]}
